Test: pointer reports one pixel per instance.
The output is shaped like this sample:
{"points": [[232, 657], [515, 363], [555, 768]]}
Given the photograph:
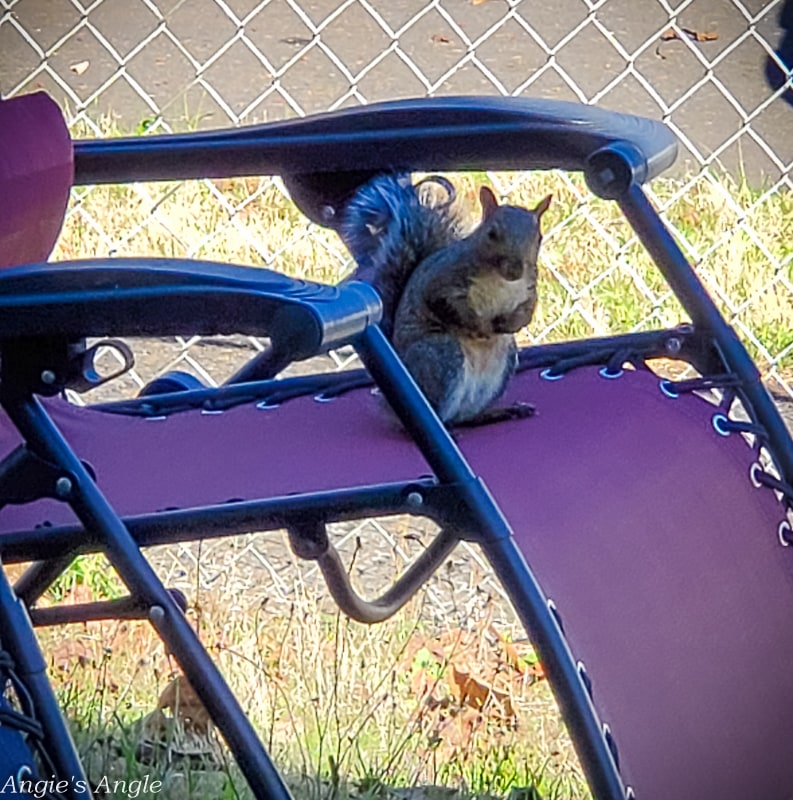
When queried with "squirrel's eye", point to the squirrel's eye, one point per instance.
{"points": [[493, 234]]}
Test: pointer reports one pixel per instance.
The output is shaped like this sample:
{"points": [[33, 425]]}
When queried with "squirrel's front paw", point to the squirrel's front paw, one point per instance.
{"points": [[520, 410], [503, 324]]}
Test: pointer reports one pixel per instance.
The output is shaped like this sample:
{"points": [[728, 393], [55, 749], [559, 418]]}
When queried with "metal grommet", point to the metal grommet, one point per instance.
{"points": [[324, 398], [783, 532], [753, 470], [667, 387], [266, 405], [605, 372], [548, 375], [719, 422]]}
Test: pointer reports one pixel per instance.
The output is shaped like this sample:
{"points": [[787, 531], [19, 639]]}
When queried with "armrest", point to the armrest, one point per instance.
{"points": [[161, 297], [447, 133]]}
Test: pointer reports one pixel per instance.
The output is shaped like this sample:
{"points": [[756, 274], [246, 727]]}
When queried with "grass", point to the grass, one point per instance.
{"points": [[596, 278], [348, 711]]}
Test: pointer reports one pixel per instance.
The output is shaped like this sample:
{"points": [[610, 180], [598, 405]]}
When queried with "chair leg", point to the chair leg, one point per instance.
{"points": [[78, 488], [20, 643]]}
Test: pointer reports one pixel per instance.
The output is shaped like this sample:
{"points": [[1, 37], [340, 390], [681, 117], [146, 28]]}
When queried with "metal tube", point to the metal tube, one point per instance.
{"points": [[226, 519], [20, 642], [447, 462], [39, 576], [385, 606], [681, 277], [98, 516]]}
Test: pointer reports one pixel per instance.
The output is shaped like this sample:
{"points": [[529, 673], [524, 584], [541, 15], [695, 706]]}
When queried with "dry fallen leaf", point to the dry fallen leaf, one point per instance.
{"points": [[470, 692], [696, 36], [180, 698], [80, 67], [511, 656], [296, 41], [69, 653]]}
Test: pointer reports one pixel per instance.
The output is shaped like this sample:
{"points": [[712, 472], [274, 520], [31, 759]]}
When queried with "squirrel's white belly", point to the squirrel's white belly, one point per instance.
{"points": [[490, 295], [483, 376]]}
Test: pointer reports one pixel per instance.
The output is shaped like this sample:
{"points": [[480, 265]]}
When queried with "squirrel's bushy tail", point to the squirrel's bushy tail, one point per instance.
{"points": [[391, 225]]}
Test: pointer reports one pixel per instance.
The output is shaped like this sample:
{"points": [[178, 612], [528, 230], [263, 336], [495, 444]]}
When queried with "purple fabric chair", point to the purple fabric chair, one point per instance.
{"points": [[639, 530]]}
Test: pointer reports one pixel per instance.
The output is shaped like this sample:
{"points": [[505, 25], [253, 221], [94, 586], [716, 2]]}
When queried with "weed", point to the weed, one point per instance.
{"points": [[596, 278], [347, 711]]}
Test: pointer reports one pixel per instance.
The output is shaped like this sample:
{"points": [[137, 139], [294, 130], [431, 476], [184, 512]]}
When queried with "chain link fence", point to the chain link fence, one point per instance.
{"points": [[716, 71]]}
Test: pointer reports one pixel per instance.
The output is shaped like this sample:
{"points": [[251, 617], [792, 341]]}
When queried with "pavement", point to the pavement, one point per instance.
{"points": [[196, 63]]}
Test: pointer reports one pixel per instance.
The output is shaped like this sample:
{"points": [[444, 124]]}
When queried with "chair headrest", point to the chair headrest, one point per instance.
{"points": [[36, 174]]}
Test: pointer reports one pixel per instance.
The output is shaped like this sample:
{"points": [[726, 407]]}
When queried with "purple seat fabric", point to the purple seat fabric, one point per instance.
{"points": [[638, 518], [36, 173]]}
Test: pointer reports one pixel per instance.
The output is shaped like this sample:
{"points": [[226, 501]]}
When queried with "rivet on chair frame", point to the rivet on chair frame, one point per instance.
{"points": [[63, 486], [673, 346], [156, 614], [414, 499]]}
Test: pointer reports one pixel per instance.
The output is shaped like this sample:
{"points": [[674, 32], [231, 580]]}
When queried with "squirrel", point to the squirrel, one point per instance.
{"points": [[451, 302], [391, 225]]}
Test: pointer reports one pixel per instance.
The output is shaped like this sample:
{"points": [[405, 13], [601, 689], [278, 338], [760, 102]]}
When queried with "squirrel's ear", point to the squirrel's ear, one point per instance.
{"points": [[542, 206], [488, 200]]}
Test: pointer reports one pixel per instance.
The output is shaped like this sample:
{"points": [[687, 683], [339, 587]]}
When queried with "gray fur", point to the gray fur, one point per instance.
{"points": [[455, 321], [390, 226]]}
